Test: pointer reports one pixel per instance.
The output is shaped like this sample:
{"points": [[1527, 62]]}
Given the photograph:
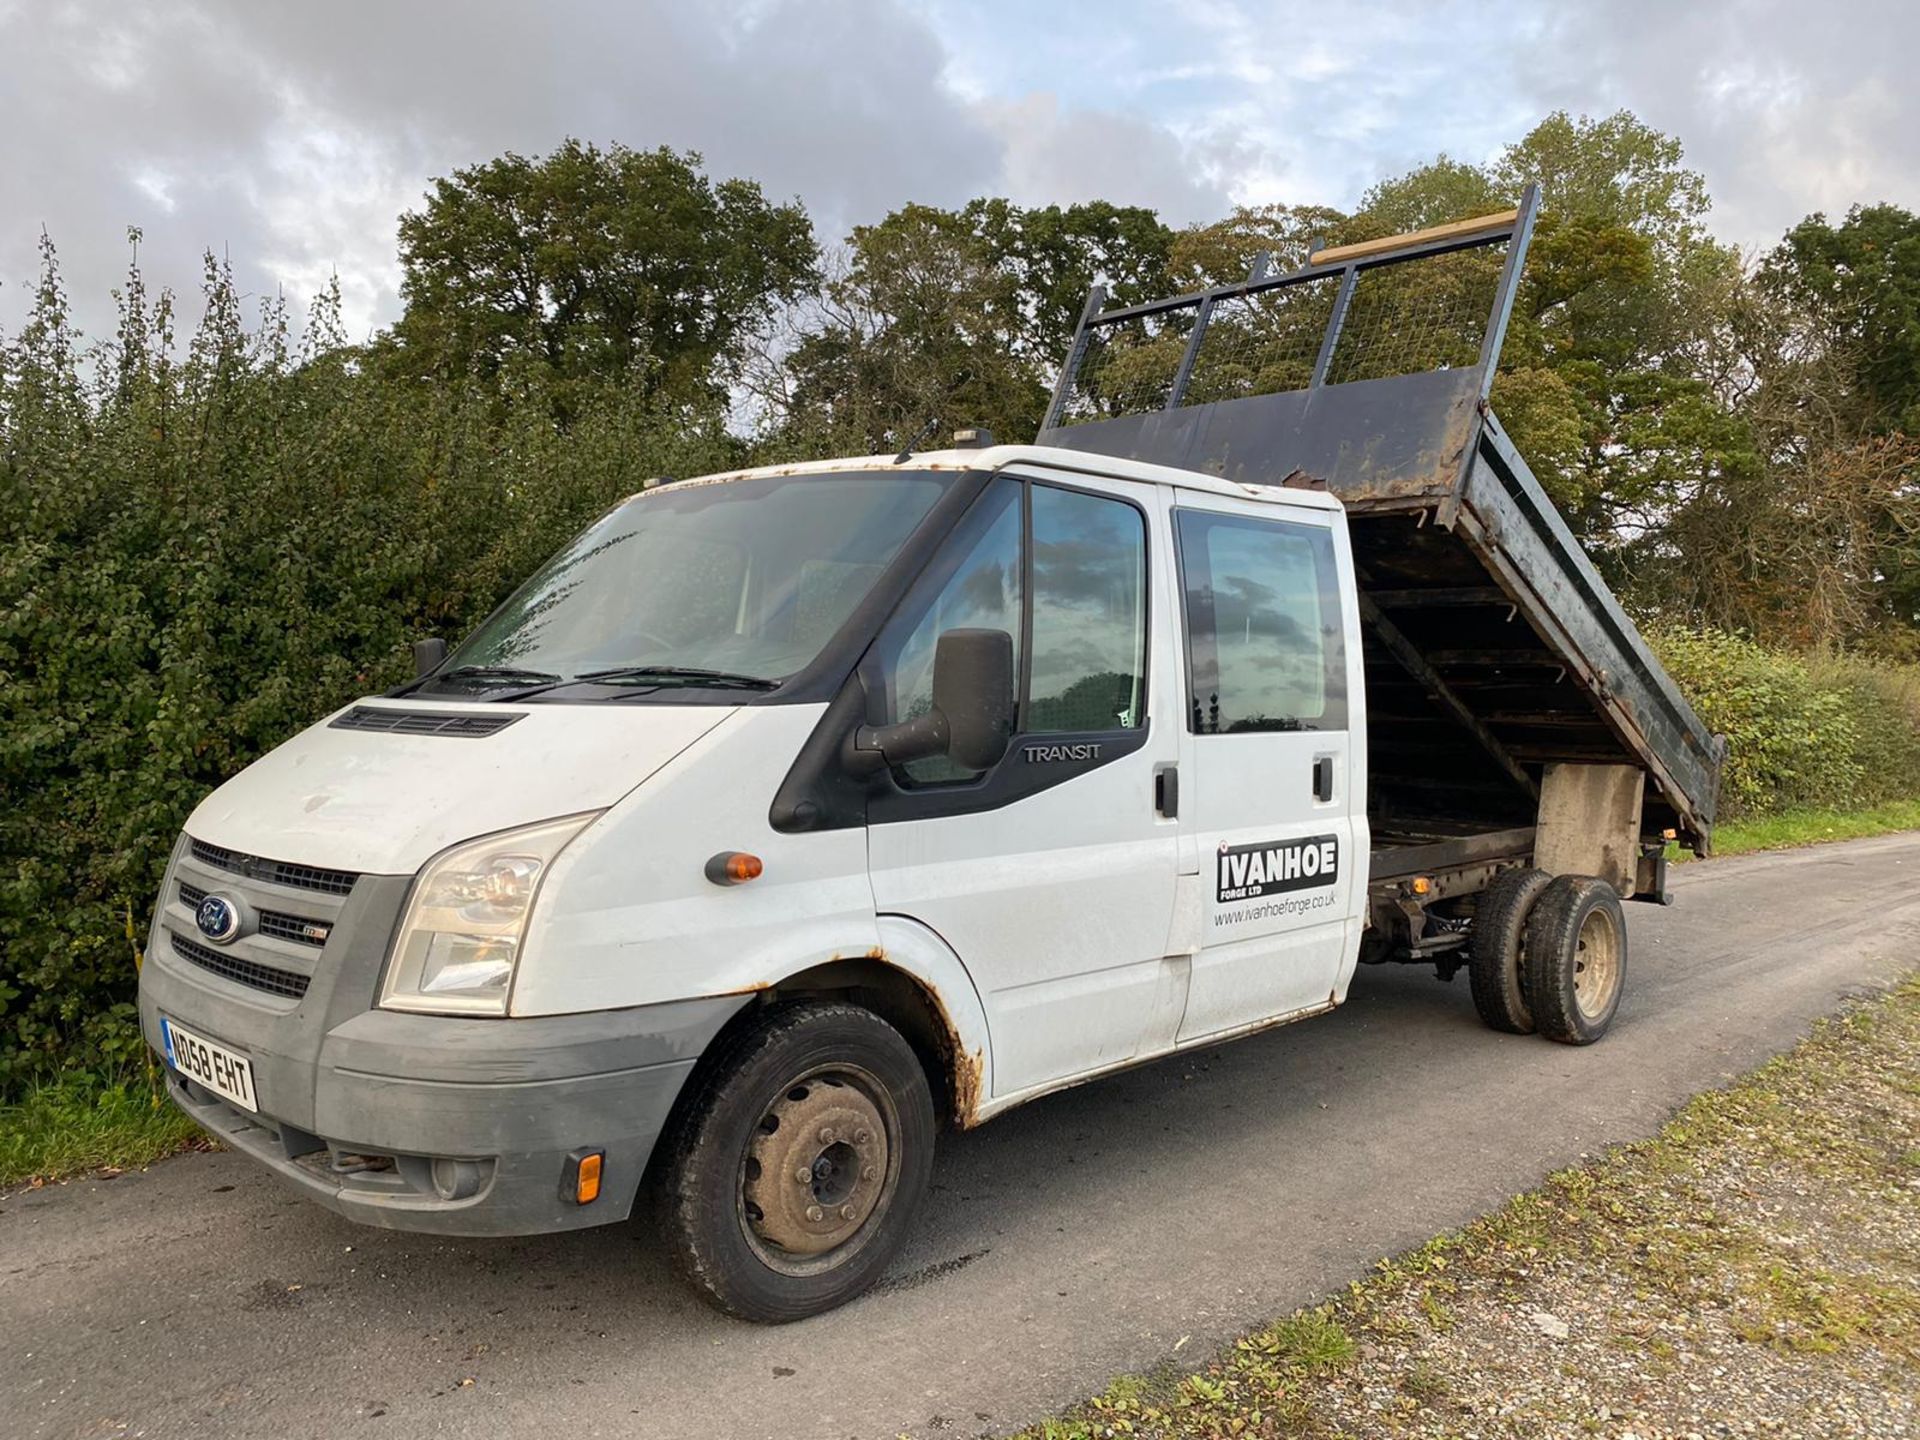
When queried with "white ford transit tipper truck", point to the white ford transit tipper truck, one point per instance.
{"points": [[786, 815]]}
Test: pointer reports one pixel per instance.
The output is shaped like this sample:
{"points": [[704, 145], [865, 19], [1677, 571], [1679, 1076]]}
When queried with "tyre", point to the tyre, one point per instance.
{"points": [[800, 1162], [1495, 965], [1576, 959]]}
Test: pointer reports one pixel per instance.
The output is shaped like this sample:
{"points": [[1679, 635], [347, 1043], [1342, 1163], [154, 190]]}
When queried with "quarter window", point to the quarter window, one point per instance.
{"points": [[1264, 645]]}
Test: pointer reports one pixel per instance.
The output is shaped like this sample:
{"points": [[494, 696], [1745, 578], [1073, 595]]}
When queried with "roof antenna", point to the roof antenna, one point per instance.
{"points": [[933, 423]]}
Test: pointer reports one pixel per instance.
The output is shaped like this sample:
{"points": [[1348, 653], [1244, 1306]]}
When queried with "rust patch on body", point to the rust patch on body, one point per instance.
{"points": [[969, 1072]]}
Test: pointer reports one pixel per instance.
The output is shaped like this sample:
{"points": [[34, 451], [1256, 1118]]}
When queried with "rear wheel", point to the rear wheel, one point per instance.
{"points": [[798, 1168], [1576, 959], [1496, 966]]}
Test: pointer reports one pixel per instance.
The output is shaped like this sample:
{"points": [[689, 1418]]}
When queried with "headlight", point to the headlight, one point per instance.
{"points": [[460, 938]]}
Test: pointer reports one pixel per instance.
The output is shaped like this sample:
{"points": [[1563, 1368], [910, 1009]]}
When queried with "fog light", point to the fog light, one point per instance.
{"points": [[456, 1179]]}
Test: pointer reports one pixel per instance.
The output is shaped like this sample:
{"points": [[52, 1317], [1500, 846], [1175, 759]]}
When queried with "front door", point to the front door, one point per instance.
{"points": [[1269, 803], [1052, 874]]}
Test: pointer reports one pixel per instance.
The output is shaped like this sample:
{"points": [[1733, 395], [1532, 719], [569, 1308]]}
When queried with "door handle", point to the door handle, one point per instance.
{"points": [[1323, 778], [1166, 791]]}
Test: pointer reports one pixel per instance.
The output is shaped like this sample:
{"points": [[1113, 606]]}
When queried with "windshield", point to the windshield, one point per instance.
{"points": [[735, 582]]}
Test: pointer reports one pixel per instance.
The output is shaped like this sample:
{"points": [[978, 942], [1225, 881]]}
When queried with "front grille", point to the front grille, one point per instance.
{"points": [[241, 972], [470, 725], [274, 872], [297, 928]]}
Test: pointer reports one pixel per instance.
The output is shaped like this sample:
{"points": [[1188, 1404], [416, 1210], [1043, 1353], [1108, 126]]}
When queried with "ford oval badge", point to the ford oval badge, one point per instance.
{"points": [[218, 918]]}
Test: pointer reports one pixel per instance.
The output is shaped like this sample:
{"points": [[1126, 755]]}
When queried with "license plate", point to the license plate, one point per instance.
{"points": [[228, 1075]]}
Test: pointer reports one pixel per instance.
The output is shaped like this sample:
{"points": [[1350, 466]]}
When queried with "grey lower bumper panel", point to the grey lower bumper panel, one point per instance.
{"points": [[501, 1105]]}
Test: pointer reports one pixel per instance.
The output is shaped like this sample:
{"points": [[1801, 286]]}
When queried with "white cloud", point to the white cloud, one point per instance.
{"points": [[1052, 155], [291, 137], [1785, 108]]}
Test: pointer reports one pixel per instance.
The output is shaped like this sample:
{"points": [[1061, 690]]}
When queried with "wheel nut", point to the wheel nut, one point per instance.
{"points": [[847, 1212], [861, 1137], [826, 1134], [803, 1176], [869, 1173], [815, 1213]]}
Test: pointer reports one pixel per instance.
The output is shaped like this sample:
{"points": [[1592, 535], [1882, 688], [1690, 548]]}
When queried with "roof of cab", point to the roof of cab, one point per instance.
{"points": [[1049, 457]]}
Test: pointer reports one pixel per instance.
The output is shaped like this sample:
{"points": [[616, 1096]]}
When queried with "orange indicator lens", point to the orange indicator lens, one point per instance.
{"points": [[733, 867], [586, 1182]]}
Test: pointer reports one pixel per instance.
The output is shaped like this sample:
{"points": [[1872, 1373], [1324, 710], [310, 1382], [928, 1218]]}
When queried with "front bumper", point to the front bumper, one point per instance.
{"points": [[357, 1104]]}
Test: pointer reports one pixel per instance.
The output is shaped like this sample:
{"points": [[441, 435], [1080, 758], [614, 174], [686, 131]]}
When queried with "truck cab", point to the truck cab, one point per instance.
{"points": [[1028, 767], [785, 816]]}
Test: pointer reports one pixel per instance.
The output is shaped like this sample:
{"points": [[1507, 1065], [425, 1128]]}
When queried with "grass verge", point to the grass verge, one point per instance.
{"points": [[1809, 827], [85, 1123], [1753, 1269]]}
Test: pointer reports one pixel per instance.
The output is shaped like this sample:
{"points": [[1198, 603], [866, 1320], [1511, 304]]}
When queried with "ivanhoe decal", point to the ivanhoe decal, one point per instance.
{"points": [[1250, 871]]}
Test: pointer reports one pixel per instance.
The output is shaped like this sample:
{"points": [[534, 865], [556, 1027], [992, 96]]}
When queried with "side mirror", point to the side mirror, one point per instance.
{"points": [[427, 656], [971, 718], [973, 688]]}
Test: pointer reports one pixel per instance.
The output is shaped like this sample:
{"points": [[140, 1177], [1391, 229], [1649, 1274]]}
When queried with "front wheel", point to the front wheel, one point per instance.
{"points": [[799, 1166], [1576, 959]]}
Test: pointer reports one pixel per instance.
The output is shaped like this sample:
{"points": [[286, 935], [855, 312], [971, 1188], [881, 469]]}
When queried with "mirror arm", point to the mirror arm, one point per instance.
{"points": [[875, 747]]}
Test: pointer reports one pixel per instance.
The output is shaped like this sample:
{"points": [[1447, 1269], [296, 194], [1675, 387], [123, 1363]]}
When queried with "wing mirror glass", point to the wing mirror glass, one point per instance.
{"points": [[971, 718]]}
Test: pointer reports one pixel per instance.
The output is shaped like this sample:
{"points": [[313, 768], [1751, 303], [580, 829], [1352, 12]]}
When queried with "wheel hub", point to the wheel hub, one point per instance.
{"points": [[816, 1167], [1596, 965]]}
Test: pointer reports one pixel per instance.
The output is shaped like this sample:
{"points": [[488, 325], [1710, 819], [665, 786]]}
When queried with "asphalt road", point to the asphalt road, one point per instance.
{"points": [[1105, 1229]]}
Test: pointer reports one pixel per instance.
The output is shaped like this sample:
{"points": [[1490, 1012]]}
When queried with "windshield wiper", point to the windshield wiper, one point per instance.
{"points": [[688, 674], [483, 674], [511, 674]]}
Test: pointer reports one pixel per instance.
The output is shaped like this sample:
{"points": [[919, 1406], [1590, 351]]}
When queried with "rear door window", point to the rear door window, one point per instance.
{"points": [[1264, 642]]}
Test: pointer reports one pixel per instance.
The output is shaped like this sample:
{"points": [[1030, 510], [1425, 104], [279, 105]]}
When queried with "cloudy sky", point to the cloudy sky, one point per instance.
{"points": [[291, 136]]}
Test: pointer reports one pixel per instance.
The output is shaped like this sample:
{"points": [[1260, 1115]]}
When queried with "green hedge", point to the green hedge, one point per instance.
{"points": [[201, 555], [1828, 732]]}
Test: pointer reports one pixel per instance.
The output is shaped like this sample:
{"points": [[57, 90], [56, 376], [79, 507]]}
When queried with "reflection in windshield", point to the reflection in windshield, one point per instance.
{"points": [[749, 578]]}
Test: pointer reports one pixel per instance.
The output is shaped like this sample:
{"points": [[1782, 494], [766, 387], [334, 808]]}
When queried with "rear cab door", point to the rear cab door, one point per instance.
{"points": [[1273, 755]]}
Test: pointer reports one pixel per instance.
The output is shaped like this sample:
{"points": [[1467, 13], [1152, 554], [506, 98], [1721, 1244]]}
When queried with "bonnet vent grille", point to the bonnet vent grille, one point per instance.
{"points": [[469, 726]]}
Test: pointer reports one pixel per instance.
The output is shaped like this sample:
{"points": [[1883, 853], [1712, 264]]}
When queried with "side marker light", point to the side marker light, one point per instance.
{"points": [[582, 1185], [734, 867]]}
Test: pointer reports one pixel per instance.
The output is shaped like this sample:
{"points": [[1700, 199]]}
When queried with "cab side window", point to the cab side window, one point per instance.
{"points": [[1064, 573], [979, 586], [1265, 648]]}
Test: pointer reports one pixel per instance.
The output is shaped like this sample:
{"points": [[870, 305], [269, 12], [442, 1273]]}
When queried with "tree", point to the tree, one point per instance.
{"points": [[913, 324], [1055, 254], [957, 316], [1607, 379], [1834, 355], [593, 263], [1224, 252], [1859, 282]]}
